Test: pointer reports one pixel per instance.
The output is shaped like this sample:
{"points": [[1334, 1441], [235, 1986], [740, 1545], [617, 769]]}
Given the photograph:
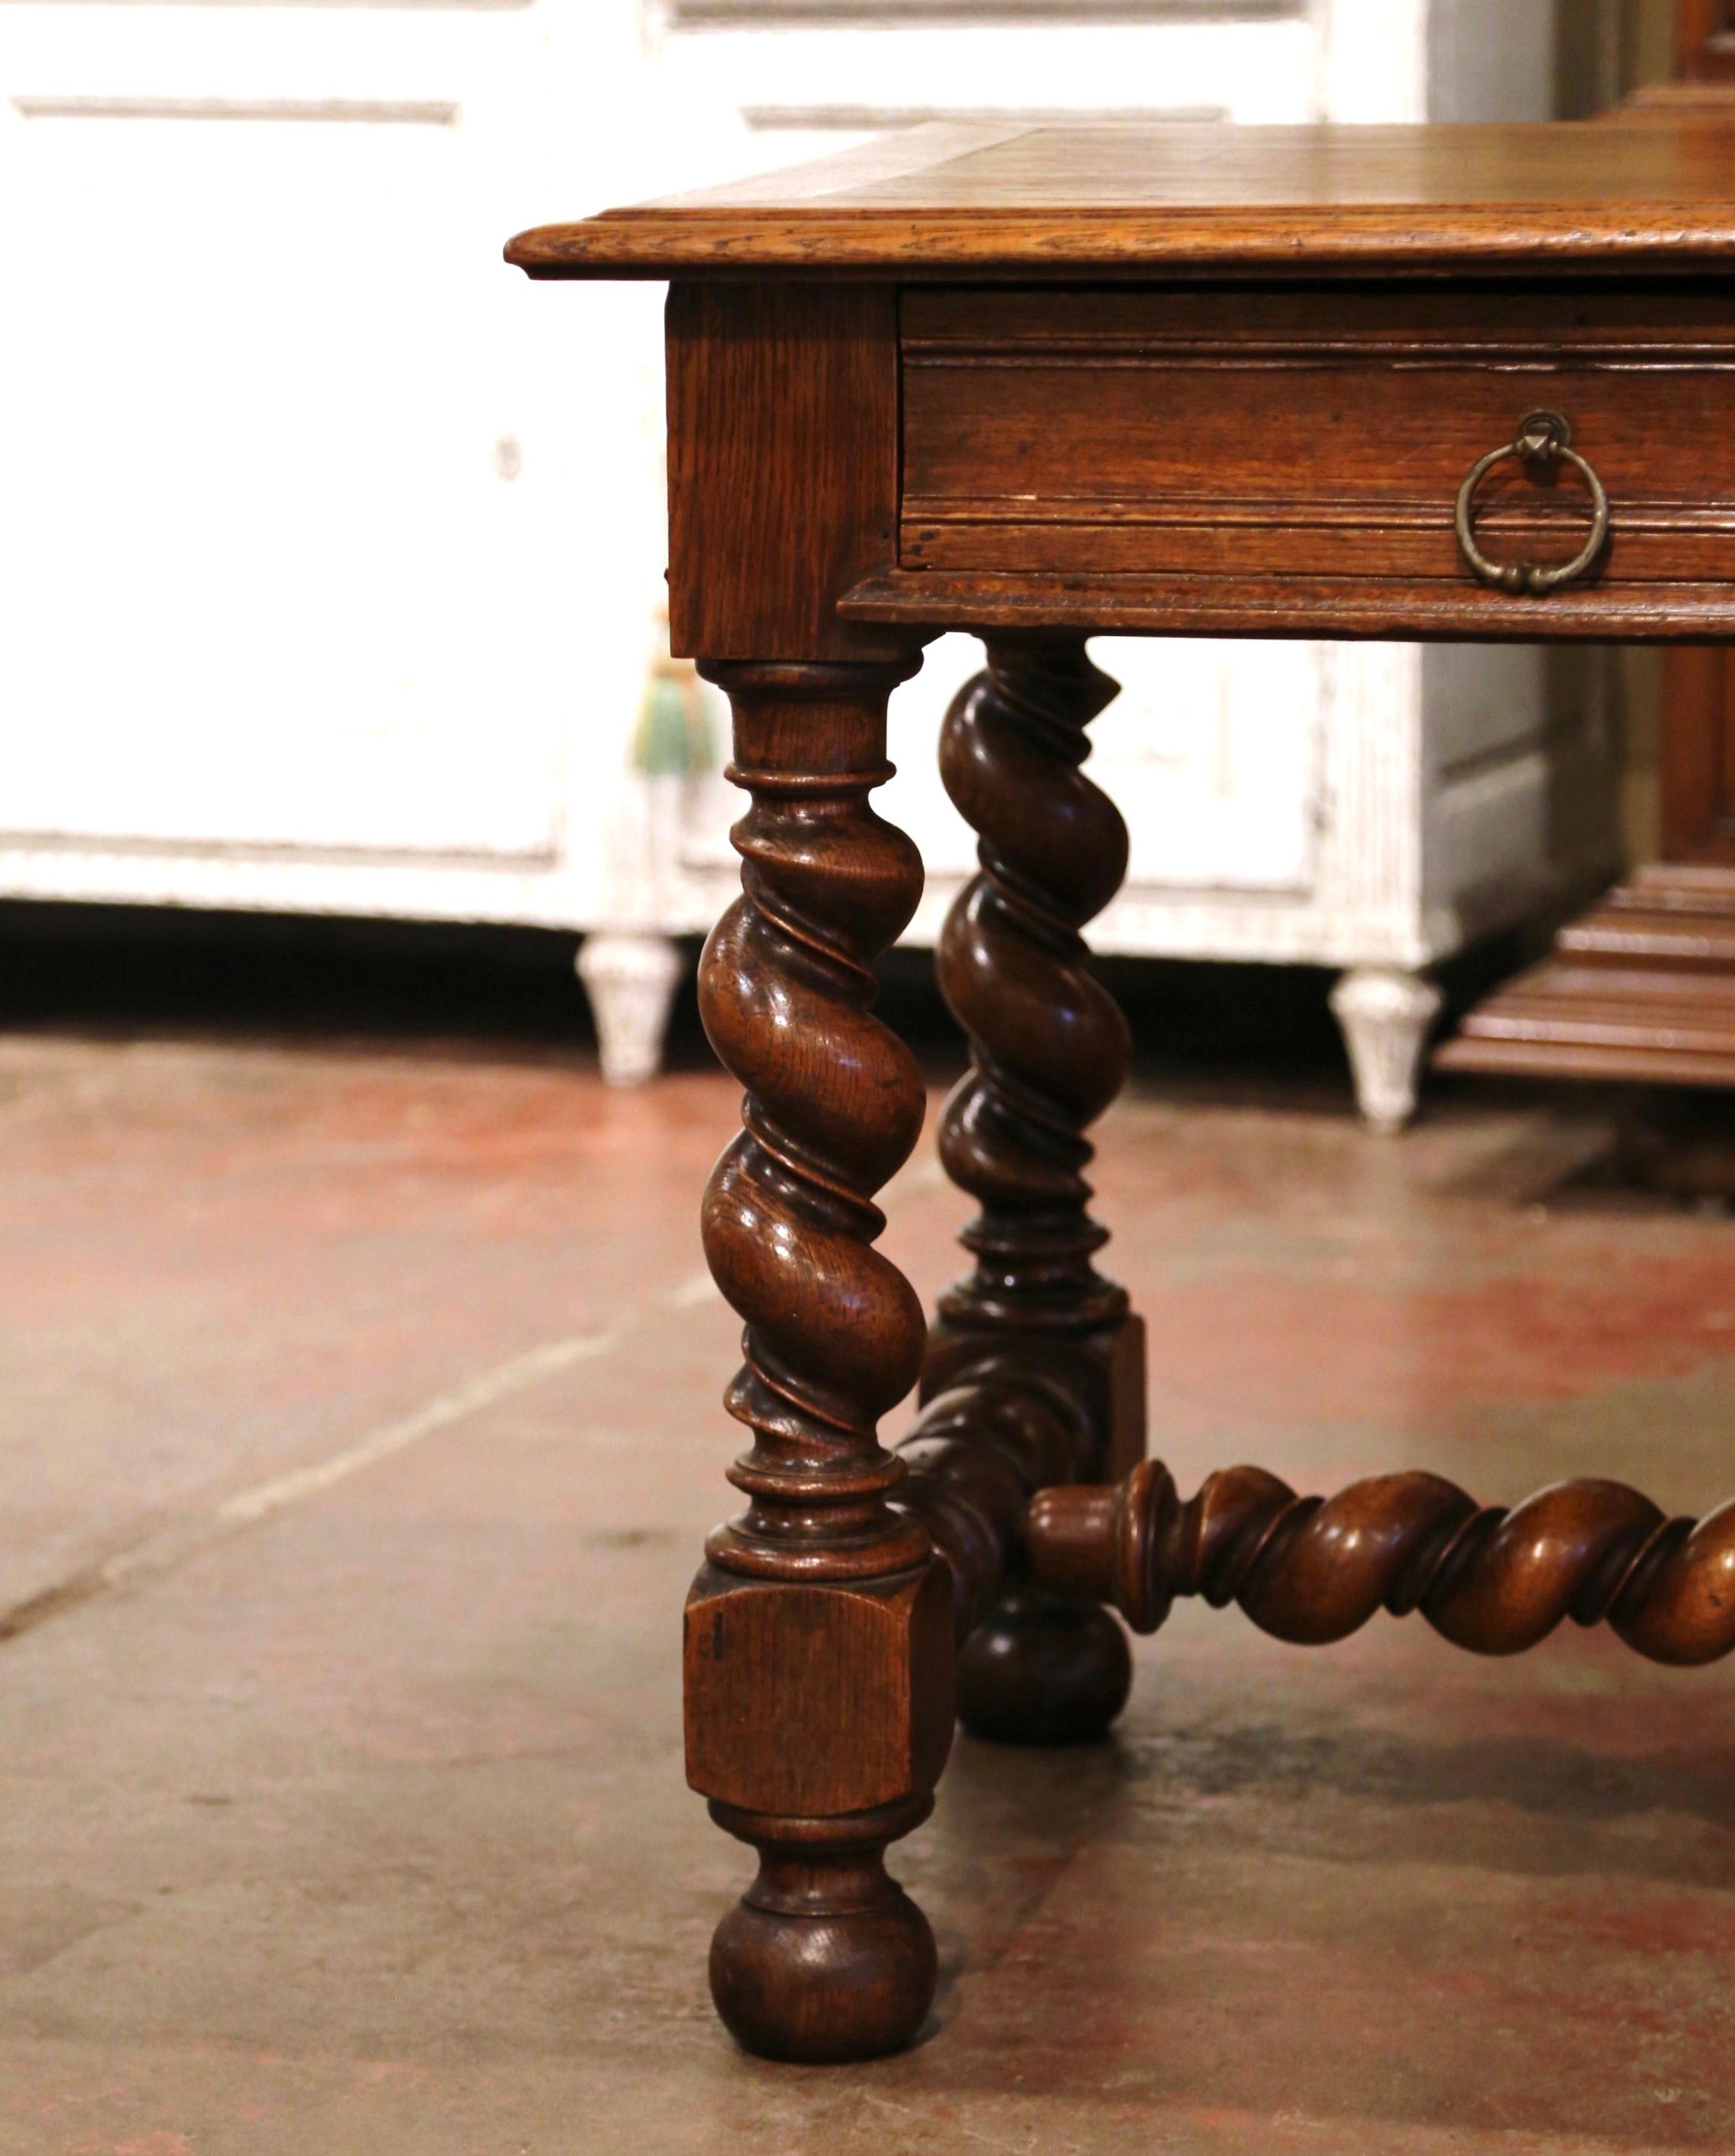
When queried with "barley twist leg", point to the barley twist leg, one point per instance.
{"points": [[819, 1648], [1312, 1570], [1049, 1050]]}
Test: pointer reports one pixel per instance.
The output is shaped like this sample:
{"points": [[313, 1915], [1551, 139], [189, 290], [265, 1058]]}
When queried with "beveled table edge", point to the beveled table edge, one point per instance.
{"points": [[1077, 242]]}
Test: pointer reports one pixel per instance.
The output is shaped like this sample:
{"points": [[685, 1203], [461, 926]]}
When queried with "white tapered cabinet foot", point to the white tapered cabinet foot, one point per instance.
{"points": [[1386, 1015], [631, 980]]}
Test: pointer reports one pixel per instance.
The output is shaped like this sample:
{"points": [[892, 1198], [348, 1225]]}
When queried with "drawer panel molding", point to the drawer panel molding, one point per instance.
{"points": [[1312, 433]]}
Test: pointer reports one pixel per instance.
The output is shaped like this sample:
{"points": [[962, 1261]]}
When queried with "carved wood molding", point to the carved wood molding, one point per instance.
{"points": [[375, 111], [887, 119], [742, 14]]}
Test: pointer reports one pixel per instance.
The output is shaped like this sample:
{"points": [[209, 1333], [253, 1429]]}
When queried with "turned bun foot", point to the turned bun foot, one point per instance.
{"points": [[1043, 1669], [823, 1990], [825, 1958]]}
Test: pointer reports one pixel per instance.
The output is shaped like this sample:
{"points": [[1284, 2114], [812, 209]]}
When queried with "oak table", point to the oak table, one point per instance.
{"points": [[1474, 382]]}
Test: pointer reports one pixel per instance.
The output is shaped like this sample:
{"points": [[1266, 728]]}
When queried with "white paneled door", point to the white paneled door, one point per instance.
{"points": [[281, 576]]}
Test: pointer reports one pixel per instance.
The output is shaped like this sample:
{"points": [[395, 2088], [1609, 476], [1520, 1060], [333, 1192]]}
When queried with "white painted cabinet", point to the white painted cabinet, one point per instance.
{"points": [[303, 609], [332, 548]]}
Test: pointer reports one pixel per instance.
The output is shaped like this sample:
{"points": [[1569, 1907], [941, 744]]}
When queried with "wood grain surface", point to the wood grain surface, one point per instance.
{"points": [[819, 1652], [783, 465], [1311, 433], [1050, 1051], [858, 460], [1349, 607], [1122, 197], [1313, 1570]]}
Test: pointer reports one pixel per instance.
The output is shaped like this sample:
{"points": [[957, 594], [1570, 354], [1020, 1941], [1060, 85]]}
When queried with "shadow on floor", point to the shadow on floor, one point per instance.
{"points": [[1205, 1036], [108, 970]]}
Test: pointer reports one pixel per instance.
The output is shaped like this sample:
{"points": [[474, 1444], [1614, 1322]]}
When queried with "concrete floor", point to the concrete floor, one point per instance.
{"points": [[360, 1428]]}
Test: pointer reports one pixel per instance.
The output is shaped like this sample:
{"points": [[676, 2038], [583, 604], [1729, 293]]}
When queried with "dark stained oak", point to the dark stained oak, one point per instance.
{"points": [[1188, 381], [1036, 383], [819, 1648], [1288, 460], [1050, 1047], [1312, 1570], [1351, 608], [1121, 199], [980, 1452], [783, 467], [1311, 434], [1049, 1051]]}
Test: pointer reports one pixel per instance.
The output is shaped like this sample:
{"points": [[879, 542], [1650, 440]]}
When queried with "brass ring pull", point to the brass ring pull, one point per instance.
{"points": [[1543, 439]]}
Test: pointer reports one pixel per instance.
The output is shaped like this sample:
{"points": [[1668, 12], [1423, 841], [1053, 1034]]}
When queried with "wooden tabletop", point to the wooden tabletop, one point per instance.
{"points": [[1118, 197]]}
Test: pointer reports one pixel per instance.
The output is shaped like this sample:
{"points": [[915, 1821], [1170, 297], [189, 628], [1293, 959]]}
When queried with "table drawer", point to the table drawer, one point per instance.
{"points": [[1315, 433]]}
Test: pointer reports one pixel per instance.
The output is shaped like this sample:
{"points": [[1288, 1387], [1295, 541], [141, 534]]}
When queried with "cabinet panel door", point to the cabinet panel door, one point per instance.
{"points": [[820, 66], [263, 541]]}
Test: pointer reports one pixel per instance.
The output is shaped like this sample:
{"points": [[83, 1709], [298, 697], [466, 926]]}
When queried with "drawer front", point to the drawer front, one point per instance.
{"points": [[1320, 433]]}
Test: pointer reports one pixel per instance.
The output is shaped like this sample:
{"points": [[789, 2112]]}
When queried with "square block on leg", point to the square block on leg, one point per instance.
{"points": [[815, 1699]]}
